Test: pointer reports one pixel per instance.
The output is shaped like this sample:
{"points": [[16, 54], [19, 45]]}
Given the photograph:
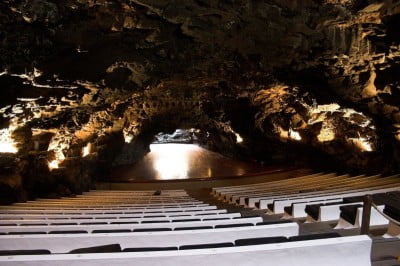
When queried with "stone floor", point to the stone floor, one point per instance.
{"points": [[184, 161]]}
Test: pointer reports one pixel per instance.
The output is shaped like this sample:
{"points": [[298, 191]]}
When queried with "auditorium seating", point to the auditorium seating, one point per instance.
{"points": [[325, 188], [321, 197], [58, 244], [341, 190], [160, 227], [351, 217], [326, 211]]}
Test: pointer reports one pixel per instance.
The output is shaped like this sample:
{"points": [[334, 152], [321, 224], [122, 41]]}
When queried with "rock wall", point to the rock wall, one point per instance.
{"points": [[86, 84]]}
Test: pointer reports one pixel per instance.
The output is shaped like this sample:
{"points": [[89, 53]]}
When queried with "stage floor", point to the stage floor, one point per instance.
{"points": [[183, 161]]}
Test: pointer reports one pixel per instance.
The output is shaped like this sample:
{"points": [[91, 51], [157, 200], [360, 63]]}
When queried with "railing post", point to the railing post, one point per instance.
{"points": [[366, 215]]}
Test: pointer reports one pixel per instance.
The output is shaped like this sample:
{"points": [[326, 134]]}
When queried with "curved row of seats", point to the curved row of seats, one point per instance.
{"points": [[352, 250], [148, 239], [133, 245], [322, 197], [328, 186], [159, 227]]}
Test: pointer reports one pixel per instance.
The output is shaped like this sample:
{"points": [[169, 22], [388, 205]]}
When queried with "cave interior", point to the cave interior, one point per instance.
{"points": [[88, 85]]}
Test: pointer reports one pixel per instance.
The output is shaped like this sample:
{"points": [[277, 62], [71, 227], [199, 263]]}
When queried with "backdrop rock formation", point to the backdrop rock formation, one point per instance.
{"points": [[86, 84]]}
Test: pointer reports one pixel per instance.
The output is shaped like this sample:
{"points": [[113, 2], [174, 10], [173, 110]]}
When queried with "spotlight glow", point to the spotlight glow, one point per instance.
{"points": [[239, 139], [57, 144], [86, 150], [171, 161], [362, 143], [294, 135], [127, 137], [53, 164], [7, 143]]}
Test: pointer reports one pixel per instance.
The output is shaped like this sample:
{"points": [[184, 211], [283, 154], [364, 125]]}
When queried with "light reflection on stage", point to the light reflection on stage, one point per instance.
{"points": [[183, 161], [171, 161]]}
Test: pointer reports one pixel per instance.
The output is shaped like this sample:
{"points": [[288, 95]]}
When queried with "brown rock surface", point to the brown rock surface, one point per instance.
{"points": [[85, 85]]}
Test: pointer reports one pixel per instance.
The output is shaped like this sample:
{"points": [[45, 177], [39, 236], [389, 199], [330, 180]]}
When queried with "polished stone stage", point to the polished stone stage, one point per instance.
{"points": [[184, 161]]}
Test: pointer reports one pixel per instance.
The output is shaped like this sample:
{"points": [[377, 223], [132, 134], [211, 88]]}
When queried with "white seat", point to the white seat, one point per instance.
{"points": [[330, 212], [105, 202], [282, 188], [376, 219], [108, 204], [344, 251], [349, 183], [68, 242], [91, 228], [337, 187], [99, 191], [163, 192], [280, 204], [116, 201], [365, 184], [99, 216], [111, 220], [258, 187], [221, 190], [88, 211], [105, 207], [298, 209], [130, 195]]}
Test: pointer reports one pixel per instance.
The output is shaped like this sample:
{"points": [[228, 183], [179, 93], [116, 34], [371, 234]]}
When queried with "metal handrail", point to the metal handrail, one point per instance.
{"points": [[367, 206], [385, 215]]}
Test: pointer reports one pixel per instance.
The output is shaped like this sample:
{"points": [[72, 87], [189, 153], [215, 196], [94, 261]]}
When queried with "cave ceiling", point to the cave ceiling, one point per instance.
{"points": [[98, 79]]}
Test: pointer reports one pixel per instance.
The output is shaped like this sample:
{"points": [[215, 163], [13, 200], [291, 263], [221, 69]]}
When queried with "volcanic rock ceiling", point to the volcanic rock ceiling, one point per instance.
{"points": [[86, 84]]}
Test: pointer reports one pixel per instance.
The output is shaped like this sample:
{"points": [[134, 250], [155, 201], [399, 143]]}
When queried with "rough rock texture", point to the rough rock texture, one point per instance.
{"points": [[86, 84]]}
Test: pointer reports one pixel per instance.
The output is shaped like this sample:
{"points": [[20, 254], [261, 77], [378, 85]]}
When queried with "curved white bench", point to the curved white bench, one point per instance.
{"points": [[107, 207], [219, 191], [280, 204], [110, 220], [101, 216], [68, 242], [163, 192], [339, 186], [284, 184], [115, 204], [376, 219], [364, 184], [329, 212], [291, 188], [343, 251], [298, 209], [90, 228], [90, 211], [106, 202]]}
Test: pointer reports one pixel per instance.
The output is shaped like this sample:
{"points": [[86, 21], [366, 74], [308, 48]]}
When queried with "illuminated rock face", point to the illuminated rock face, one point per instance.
{"points": [[287, 115], [85, 85]]}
